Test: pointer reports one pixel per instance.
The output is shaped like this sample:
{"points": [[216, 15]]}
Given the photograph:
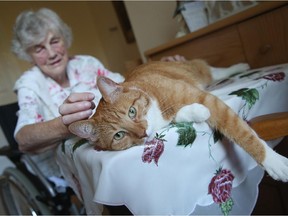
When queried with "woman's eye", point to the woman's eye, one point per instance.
{"points": [[38, 49], [55, 41], [132, 112], [119, 135]]}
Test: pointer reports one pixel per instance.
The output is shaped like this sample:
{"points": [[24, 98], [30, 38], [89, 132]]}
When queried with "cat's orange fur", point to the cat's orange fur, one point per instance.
{"points": [[115, 126]]}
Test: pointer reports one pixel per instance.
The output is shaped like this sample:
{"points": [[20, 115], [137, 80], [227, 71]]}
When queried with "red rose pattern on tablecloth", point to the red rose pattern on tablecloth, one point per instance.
{"points": [[220, 188], [153, 149], [275, 76]]}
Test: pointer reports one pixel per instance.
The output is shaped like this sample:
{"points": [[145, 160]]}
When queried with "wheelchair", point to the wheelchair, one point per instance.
{"points": [[24, 192]]}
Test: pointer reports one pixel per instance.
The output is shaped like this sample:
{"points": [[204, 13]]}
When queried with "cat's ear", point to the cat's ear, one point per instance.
{"points": [[84, 129], [108, 88]]}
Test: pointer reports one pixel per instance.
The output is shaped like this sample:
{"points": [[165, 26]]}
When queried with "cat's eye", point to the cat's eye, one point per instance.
{"points": [[119, 135], [132, 112]]}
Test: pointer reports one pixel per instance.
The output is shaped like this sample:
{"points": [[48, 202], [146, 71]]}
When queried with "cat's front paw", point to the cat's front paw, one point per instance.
{"points": [[276, 165], [193, 113]]}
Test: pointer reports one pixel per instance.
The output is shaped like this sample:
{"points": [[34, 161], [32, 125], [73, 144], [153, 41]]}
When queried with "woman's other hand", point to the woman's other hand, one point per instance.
{"points": [[77, 106], [174, 58]]}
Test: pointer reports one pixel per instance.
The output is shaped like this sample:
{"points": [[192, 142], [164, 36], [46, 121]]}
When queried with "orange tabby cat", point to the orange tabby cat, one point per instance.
{"points": [[158, 93]]}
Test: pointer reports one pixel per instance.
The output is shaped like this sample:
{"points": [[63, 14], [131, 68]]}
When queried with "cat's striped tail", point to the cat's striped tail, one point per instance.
{"points": [[225, 120]]}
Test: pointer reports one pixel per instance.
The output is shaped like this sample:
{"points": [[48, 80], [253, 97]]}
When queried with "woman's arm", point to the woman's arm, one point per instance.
{"points": [[39, 137]]}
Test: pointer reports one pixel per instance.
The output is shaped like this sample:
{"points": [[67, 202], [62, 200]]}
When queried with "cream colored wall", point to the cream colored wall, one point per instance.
{"points": [[152, 22], [117, 50]]}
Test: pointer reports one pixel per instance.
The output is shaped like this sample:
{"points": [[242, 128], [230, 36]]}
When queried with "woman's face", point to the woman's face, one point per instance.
{"points": [[51, 56]]}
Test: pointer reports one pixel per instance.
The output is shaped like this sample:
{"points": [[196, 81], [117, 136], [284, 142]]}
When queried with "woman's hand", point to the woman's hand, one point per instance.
{"points": [[174, 58], [77, 106]]}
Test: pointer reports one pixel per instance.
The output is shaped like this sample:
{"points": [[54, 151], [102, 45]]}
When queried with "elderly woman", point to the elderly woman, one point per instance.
{"points": [[43, 39], [56, 82]]}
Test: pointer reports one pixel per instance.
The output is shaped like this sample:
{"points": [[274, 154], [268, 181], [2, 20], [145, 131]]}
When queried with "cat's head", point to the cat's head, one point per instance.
{"points": [[119, 121]]}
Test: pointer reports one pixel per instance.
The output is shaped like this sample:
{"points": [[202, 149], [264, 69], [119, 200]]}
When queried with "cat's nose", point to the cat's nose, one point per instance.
{"points": [[142, 135]]}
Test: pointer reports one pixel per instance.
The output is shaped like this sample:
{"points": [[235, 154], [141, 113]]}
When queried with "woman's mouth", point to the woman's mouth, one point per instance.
{"points": [[55, 63]]}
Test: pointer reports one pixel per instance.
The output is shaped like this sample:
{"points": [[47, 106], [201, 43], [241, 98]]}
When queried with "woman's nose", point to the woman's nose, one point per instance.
{"points": [[51, 51]]}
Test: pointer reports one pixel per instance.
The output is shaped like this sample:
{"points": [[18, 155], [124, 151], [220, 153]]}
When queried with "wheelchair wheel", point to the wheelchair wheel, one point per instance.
{"points": [[19, 195]]}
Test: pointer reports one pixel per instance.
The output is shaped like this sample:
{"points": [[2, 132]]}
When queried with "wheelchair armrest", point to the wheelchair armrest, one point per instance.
{"points": [[5, 151], [271, 126], [27, 160], [12, 154]]}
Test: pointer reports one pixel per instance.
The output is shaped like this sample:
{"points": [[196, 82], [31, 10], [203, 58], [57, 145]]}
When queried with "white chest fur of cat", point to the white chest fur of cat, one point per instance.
{"points": [[158, 93]]}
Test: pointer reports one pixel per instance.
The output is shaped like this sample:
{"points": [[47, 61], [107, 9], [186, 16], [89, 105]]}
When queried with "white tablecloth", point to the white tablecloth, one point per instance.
{"points": [[172, 175]]}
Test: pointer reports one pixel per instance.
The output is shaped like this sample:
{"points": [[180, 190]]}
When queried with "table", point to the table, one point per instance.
{"points": [[188, 168]]}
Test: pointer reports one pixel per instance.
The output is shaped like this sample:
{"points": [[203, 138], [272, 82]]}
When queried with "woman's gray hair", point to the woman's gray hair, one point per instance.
{"points": [[32, 27]]}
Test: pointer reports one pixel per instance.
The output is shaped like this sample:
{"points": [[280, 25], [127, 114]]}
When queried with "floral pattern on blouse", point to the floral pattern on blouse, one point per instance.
{"points": [[40, 96]]}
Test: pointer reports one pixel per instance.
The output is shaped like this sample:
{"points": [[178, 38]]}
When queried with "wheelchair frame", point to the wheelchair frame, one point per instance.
{"points": [[24, 193]]}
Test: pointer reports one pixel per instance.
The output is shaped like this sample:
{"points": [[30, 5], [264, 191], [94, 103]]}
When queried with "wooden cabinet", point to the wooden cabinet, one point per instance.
{"points": [[217, 48], [265, 38], [258, 36]]}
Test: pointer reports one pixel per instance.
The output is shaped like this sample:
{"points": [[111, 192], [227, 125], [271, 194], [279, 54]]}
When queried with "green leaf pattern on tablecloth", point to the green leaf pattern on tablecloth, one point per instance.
{"points": [[187, 133], [250, 96], [217, 135], [79, 143]]}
